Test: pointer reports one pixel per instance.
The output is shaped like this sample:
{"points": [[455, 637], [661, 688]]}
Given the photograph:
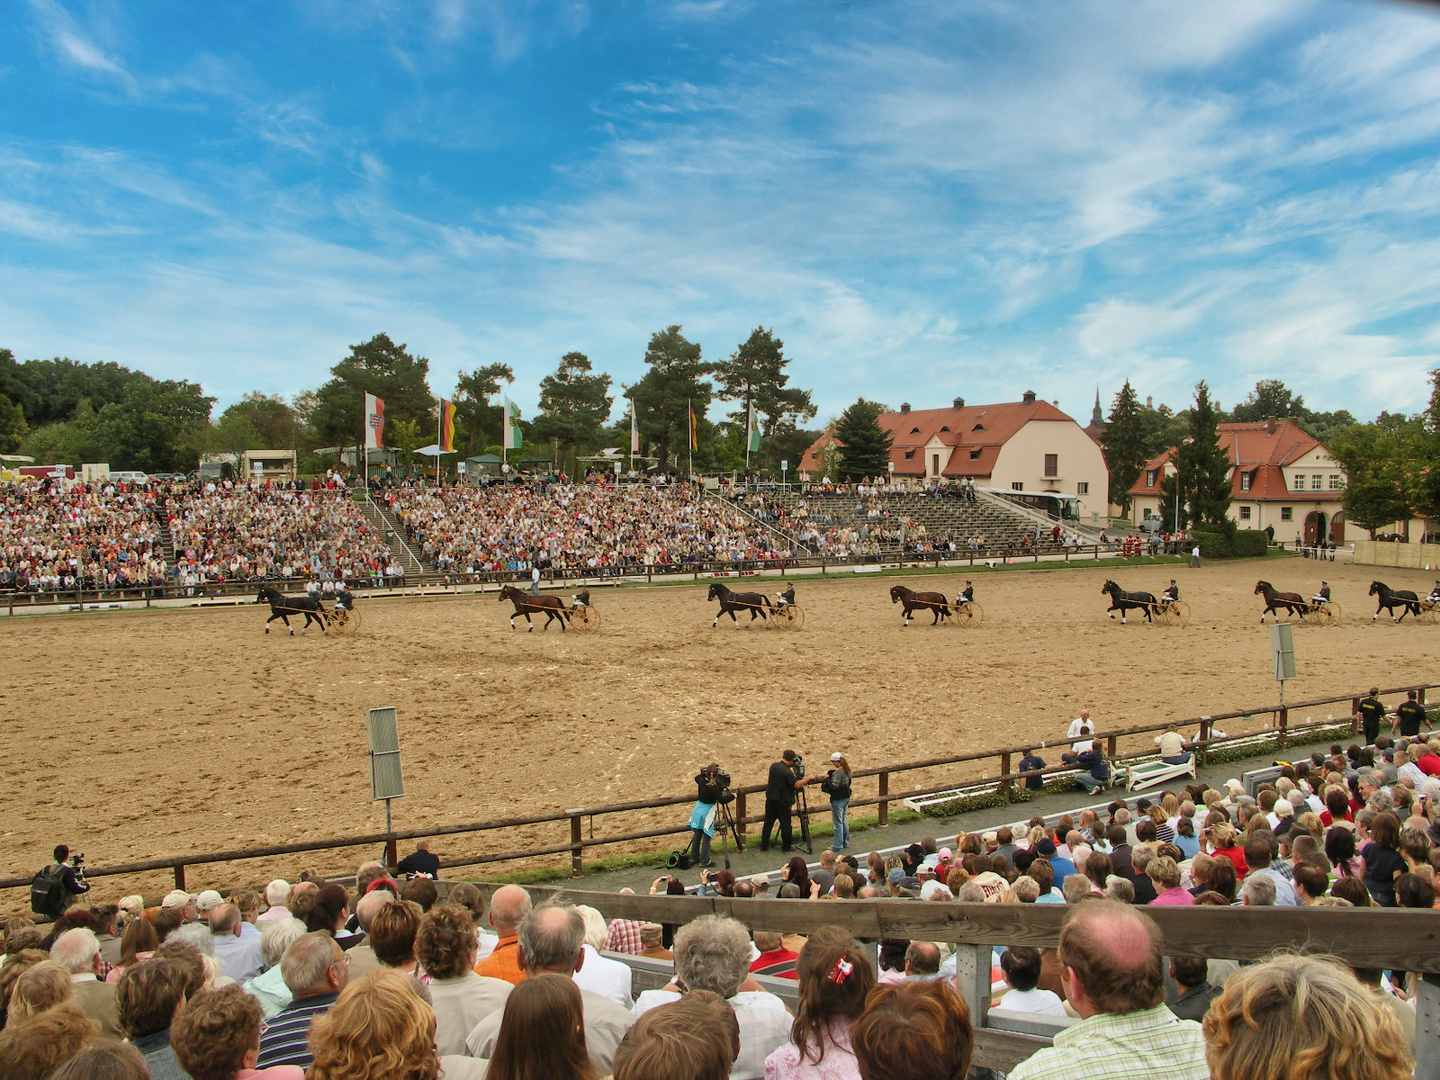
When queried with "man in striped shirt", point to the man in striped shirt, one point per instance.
{"points": [[315, 971]]}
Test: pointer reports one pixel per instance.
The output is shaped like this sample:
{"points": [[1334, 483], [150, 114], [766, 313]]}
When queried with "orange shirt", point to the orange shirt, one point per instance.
{"points": [[504, 962]]}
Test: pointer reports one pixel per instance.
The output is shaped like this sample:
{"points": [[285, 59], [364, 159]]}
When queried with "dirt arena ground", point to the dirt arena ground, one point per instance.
{"points": [[130, 735]]}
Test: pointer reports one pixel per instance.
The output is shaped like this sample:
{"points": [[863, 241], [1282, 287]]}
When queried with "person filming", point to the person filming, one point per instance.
{"points": [[710, 785], [786, 777]]}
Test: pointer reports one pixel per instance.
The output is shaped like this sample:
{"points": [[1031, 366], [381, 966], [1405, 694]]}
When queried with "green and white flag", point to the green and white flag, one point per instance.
{"points": [[514, 437], [753, 440]]}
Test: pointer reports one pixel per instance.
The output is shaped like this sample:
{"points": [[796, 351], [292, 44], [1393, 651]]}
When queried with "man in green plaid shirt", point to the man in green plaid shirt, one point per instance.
{"points": [[1110, 960]]}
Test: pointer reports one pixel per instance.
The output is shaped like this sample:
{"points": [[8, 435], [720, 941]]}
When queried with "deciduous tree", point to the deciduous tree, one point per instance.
{"points": [[574, 405], [473, 391], [378, 367], [755, 372]]}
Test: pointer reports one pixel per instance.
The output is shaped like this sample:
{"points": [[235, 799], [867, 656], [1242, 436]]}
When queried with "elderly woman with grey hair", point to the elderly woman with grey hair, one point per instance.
{"points": [[268, 987], [713, 953]]}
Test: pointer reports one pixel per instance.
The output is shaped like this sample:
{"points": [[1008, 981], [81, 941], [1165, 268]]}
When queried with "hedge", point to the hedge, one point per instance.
{"points": [[1246, 544]]}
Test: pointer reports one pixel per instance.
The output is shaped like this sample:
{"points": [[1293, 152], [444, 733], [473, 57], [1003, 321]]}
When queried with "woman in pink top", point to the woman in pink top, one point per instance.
{"points": [[835, 977], [1165, 873], [216, 1036], [137, 945]]}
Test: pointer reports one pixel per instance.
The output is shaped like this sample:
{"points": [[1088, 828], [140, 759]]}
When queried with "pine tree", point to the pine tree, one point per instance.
{"points": [[1204, 466], [1124, 444], [864, 444], [574, 405], [674, 382], [755, 373]]}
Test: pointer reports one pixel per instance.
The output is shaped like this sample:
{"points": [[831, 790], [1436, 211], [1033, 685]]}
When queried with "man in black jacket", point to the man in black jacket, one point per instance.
{"points": [[1372, 711], [780, 787]]}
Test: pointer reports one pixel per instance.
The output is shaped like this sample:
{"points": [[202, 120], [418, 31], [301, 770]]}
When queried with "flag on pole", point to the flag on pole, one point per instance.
{"points": [[374, 422], [694, 429], [753, 440], [514, 437], [447, 427], [634, 431]]}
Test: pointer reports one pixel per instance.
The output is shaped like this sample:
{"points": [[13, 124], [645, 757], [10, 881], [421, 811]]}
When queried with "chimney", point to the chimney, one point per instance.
{"points": [[904, 407], [1269, 425], [959, 403], [1028, 397]]}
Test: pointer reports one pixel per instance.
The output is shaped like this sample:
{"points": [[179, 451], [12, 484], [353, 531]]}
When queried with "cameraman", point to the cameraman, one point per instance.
{"points": [[72, 876], [787, 776], [710, 784]]}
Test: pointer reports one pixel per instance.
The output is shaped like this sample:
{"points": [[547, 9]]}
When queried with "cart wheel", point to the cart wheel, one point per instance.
{"points": [[342, 622], [1428, 613], [971, 614], [1177, 613], [1330, 613], [585, 619], [789, 617]]}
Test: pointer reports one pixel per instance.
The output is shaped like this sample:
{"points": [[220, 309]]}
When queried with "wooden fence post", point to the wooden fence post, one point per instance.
{"points": [[883, 811], [1110, 747], [740, 820], [180, 875], [1354, 715], [1282, 722], [1007, 786], [392, 853], [577, 844], [1427, 1029]]}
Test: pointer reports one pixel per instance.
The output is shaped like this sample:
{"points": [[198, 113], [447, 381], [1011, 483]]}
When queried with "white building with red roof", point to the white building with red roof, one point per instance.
{"points": [[1282, 481], [1027, 445]]}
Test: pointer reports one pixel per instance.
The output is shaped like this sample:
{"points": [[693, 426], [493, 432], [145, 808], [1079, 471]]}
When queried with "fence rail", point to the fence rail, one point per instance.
{"points": [[578, 839]]}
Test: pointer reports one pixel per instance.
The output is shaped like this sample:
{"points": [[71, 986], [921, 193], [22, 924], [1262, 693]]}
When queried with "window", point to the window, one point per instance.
{"points": [[1082, 488], [974, 455], [1299, 482], [1149, 513], [978, 427], [909, 454], [935, 464], [914, 431], [1149, 477], [1244, 513], [945, 428], [1334, 481], [1245, 478], [1017, 486], [1287, 513], [1316, 481], [1052, 464]]}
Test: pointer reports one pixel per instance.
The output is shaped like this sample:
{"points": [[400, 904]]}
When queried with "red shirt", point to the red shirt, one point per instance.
{"points": [[1236, 855], [779, 962], [1429, 764]]}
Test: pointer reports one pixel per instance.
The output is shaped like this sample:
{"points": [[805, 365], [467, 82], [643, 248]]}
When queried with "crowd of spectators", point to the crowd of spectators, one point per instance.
{"points": [[387, 980], [597, 529], [54, 538]]}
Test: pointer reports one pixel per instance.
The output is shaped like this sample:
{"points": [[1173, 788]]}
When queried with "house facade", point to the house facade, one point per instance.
{"points": [[1027, 445], [1282, 481]]}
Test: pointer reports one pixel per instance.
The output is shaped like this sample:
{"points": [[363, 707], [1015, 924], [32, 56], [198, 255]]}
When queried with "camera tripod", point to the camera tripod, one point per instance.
{"points": [[802, 807], [725, 827]]}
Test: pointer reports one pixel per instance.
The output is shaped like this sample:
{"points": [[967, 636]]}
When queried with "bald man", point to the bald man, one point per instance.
{"points": [[508, 907], [1112, 976]]}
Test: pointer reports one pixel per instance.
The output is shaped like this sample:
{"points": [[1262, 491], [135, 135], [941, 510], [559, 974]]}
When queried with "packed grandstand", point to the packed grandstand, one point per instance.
{"points": [[336, 980], [192, 534]]}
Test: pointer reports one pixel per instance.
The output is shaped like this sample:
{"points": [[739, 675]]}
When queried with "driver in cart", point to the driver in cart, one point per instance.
{"points": [[581, 598], [786, 597], [966, 595]]}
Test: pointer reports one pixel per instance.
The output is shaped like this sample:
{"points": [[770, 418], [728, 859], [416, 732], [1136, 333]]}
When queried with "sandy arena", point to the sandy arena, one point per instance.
{"points": [[134, 735]]}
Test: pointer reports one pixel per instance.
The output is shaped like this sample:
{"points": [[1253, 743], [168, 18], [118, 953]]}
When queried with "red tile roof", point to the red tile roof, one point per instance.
{"points": [[1260, 448], [972, 428]]}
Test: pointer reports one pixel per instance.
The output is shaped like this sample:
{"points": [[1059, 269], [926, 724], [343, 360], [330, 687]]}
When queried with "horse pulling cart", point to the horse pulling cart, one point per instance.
{"points": [[1171, 612], [788, 616], [966, 613], [338, 621]]}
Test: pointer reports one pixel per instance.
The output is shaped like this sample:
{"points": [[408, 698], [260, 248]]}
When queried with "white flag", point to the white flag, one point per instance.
{"points": [[374, 422], [514, 437], [634, 431]]}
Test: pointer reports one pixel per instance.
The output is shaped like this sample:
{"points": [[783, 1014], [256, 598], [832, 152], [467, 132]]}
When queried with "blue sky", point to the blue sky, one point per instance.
{"points": [[923, 199]]}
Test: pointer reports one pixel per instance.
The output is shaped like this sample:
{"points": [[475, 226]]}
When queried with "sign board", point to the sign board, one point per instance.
{"points": [[784, 465], [1282, 647], [385, 779]]}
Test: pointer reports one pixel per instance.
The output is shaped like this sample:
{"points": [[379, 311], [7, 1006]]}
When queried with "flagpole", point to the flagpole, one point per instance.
{"points": [[439, 439], [749, 419], [690, 436]]}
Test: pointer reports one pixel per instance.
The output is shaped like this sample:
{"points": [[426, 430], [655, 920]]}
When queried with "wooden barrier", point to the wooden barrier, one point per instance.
{"points": [[1392, 938], [576, 841]]}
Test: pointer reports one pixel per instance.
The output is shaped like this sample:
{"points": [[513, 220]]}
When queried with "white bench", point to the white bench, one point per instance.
{"points": [[1148, 773]]}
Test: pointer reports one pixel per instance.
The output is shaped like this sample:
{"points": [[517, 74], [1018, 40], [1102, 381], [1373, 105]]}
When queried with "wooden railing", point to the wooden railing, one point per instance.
{"points": [[579, 823], [1394, 939]]}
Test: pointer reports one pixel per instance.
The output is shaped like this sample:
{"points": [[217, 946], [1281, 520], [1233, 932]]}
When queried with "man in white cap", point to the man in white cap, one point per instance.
{"points": [[207, 902], [183, 902]]}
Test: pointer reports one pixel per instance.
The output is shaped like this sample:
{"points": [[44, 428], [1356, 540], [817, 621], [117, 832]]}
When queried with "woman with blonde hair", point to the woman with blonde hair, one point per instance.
{"points": [[1302, 1018], [41, 987], [542, 1035], [378, 1029]]}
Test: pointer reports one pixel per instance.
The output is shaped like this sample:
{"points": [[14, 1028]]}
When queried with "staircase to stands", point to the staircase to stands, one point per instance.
{"points": [[418, 571]]}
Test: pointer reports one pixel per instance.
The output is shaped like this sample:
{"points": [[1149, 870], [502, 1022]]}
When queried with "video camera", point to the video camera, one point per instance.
{"points": [[721, 779], [77, 860], [798, 767]]}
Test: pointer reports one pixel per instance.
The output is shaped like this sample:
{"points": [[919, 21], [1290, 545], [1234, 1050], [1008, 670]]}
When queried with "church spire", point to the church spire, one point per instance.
{"points": [[1097, 418]]}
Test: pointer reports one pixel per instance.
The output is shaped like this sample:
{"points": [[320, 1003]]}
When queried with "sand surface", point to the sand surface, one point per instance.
{"points": [[134, 735]]}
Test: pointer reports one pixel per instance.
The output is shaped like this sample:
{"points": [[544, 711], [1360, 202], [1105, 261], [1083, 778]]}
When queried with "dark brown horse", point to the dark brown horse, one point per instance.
{"points": [[934, 602], [1292, 602], [730, 602], [525, 603], [1390, 599]]}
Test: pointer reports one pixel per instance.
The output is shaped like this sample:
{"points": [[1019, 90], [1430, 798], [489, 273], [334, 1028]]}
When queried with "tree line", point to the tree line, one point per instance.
{"points": [[62, 411]]}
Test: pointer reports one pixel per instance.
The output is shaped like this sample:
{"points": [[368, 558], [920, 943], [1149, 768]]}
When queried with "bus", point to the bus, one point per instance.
{"points": [[1055, 505]]}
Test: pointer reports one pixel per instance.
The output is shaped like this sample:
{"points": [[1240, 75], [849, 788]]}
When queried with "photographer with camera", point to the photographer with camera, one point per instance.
{"points": [[787, 776], [711, 785], [54, 889], [837, 785]]}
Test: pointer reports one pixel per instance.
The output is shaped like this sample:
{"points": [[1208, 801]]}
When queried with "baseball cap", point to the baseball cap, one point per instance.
{"points": [[176, 898], [896, 876], [760, 880], [208, 899], [992, 883], [1045, 847], [837, 756]]}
